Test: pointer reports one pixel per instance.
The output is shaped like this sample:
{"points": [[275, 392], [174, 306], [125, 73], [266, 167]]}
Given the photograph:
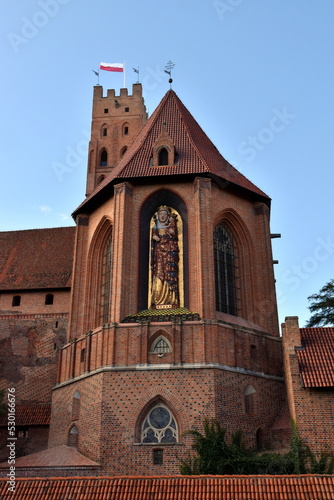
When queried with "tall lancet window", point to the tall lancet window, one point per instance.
{"points": [[225, 270], [106, 282]]}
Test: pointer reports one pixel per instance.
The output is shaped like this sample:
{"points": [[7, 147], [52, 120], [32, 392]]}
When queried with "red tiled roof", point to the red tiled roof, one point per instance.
{"points": [[309, 487], [196, 153], [30, 415], [316, 358], [61, 456], [36, 258]]}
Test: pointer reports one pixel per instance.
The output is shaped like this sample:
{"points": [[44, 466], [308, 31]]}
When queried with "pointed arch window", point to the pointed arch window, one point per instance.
{"points": [[249, 395], [73, 437], [225, 270], [104, 158], [106, 282], [76, 405], [161, 346], [163, 157], [159, 426]]}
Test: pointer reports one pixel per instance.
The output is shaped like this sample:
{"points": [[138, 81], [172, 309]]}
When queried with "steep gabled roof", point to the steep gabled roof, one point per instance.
{"points": [[316, 358], [36, 258], [173, 488], [195, 153]]}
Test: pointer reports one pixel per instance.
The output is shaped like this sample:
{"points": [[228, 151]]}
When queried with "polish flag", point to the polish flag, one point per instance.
{"points": [[112, 67]]}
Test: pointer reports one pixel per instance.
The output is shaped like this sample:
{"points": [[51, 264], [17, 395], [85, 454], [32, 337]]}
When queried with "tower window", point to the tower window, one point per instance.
{"points": [[225, 270], [16, 300], [104, 158], [48, 299], [159, 426], [126, 110], [104, 132], [163, 157], [106, 110], [126, 130]]}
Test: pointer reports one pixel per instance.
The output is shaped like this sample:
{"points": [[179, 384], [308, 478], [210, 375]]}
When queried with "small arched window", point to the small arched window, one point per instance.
{"points": [[161, 346], [163, 157], [73, 437], [225, 270], [76, 405], [159, 426], [104, 158], [126, 129], [249, 395], [49, 299], [123, 151]]}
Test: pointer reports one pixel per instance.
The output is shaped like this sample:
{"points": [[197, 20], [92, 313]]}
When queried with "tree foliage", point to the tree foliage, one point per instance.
{"points": [[213, 455], [322, 306]]}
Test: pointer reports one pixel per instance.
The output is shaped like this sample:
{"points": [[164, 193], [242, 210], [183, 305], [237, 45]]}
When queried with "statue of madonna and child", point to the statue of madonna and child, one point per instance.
{"points": [[164, 262]]}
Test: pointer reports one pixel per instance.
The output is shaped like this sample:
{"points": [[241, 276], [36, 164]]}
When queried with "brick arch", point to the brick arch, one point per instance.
{"points": [[159, 197], [158, 398], [158, 334], [94, 261], [245, 253]]}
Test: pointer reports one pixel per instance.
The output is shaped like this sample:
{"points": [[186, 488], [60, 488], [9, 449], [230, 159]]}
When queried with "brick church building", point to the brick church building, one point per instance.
{"points": [[156, 311]]}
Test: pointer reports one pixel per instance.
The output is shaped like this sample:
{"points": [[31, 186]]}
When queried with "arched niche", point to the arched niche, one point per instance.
{"points": [[148, 209]]}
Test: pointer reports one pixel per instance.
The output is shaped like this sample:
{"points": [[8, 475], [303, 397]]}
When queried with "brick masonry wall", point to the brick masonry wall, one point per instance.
{"points": [[29, 352], [114, 404], [33, 302], [312, 409]]}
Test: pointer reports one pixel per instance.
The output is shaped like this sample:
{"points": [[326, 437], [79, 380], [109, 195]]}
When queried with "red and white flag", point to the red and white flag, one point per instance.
{"points": [[119, 67]]}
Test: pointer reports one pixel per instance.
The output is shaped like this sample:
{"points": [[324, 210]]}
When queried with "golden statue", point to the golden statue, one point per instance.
{"points": [[164, 260]]}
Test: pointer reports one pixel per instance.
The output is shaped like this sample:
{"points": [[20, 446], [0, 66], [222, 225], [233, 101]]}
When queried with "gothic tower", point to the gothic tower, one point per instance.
{"points": [[173, 311]]}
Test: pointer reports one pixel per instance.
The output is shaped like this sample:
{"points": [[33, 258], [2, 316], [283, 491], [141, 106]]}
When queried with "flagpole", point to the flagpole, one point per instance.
{"points": [[124, 75]]}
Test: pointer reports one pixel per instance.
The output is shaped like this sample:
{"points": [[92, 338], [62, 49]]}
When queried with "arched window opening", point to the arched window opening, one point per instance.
{"points": [[76, 405], [73, 437], [249, 395], [161, 346], [104, 158], [123, 151], [125, 129], [106, 282], [49, 299], [163, 157], [159, 426], [225, 270]]}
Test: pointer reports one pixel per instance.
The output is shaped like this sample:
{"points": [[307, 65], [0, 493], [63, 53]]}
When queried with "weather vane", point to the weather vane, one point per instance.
{"points": [[168, 69]]}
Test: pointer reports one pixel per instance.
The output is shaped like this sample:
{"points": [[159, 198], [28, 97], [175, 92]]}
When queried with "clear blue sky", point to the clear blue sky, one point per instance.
{"points": [[257, 76]]}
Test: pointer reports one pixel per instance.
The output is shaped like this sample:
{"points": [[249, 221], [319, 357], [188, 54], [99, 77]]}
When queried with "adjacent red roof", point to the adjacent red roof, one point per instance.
{"points": [[316, 358], [36, 258], [30, 415], [61, 456], [196, 154], [174, 488]]}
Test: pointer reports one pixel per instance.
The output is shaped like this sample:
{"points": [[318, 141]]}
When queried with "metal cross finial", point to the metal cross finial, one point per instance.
{"points": [[168, 69]]}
